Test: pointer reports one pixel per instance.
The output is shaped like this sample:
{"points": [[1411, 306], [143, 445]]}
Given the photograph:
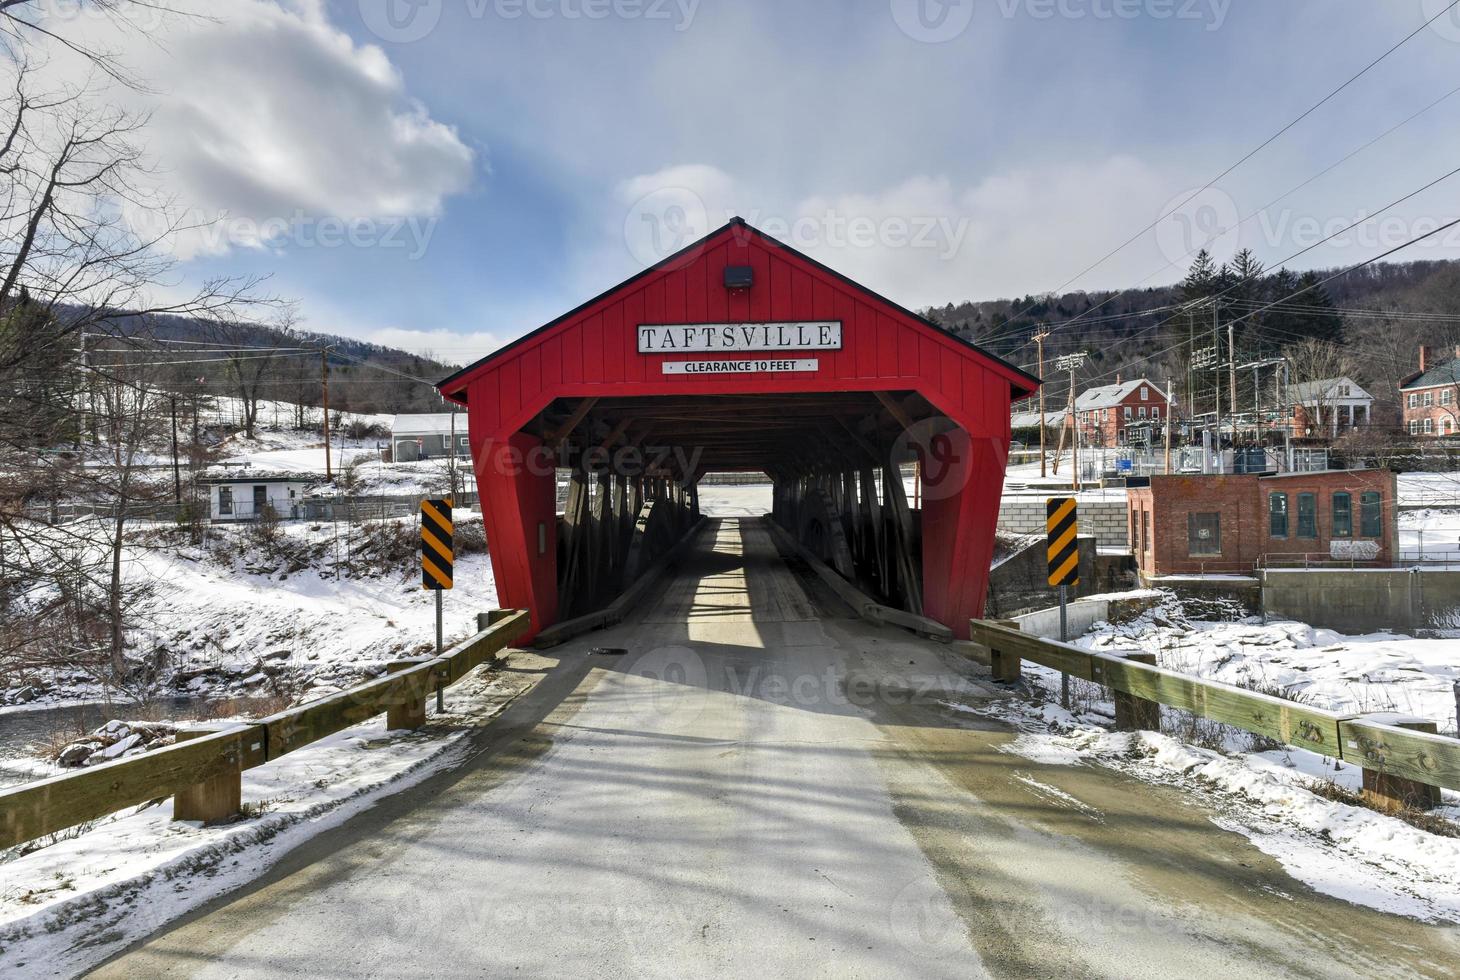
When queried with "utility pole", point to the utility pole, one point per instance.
{"points": [[453, 451], [1217, 380], [324, 379], [1232, 374], [1170, 407], [176, 472], [1039, 339], [1256, 367], [1070, 362], [86, 380]]}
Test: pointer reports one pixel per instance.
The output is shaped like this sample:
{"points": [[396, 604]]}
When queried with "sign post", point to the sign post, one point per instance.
{"points": [[1062, 524], [438, 561]]}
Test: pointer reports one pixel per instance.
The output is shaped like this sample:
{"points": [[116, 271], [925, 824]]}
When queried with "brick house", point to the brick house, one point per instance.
{"points": [[1430, 398], [1232, 524], [1122, 413], [1328, 408]]}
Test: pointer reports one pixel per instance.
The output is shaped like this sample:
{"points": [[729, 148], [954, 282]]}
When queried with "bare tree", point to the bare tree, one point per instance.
{"points": [[24, 23], [249, 361], [77, 286], [133, 419]]}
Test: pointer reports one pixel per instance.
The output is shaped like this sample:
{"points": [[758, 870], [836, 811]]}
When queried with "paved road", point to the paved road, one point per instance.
{"points": [[764, 787]]}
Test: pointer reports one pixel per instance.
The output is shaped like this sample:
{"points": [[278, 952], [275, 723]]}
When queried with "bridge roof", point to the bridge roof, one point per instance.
{"points": [[686, 288]]}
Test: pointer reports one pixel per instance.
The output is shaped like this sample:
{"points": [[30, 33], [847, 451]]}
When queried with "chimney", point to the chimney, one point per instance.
{"points": [[1117, 378], [1424, 357]]}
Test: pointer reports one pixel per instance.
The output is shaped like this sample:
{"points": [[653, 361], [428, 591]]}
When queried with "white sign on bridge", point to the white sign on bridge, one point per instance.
{"points": [[698, 338], [755, 366]]}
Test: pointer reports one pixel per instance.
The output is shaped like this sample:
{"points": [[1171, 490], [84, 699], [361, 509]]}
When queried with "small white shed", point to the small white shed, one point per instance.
{"points": [[246, 498]]}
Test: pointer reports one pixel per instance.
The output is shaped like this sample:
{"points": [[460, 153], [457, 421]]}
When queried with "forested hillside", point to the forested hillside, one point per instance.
{"points": [[1367, 324]]}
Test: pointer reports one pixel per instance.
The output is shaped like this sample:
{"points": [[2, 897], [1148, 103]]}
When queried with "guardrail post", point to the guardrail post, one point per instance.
{"points": [[1007, 667], [405, 716], [487, 620], [1390, 792], [215, 800], [1133, 714]]}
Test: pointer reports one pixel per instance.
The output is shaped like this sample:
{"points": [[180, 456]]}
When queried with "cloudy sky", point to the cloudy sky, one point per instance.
{"points": [[447, 174]]}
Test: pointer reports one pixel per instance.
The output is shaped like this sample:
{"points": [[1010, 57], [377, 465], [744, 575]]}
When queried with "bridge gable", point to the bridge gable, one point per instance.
{"points": [[593, 351]]}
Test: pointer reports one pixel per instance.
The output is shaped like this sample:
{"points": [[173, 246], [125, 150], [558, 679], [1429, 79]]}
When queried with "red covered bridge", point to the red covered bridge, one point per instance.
{"points": [[739, 353]]}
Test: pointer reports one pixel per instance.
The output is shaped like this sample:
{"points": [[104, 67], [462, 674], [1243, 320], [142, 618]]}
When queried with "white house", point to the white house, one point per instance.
{"points": [[414, 437], [1328, 406], [246, 498]]}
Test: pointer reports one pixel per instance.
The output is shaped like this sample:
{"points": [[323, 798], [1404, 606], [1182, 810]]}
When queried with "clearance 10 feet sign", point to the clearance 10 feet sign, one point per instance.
{"points": [[734, 338]]}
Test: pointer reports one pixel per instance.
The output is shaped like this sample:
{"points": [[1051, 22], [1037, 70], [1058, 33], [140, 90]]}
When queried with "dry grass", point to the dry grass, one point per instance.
{"points": [[1425, 820]]}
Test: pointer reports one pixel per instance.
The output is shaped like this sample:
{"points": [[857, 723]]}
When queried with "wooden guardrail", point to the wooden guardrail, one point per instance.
{"points": [[1403, 760], [862, 604], [203, 772]]}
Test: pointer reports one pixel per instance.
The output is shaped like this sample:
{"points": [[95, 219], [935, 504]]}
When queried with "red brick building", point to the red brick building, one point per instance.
{"points": [[1185, 525], [1122, 414], [1430, 399]]}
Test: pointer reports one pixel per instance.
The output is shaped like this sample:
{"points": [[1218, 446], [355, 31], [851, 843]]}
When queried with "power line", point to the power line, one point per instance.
{"points": [[1252, 214], [1335, 234], [1255, 150], [1300, 292]]}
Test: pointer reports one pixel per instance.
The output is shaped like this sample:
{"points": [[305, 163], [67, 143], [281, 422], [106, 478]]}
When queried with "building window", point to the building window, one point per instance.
{"points": [[1127, 411], [1204, 534], [1146, 530], [1414, 427], [463, 441], [1277, 515], [1371, 523], [225, 500], [1429, 399], [1343, 515], [1156, 411], [446, 441], [1145, 394], [1413, 400], [1429, 426], [1447, 396], [1135, 541], [1307, 515], [1143, 411]]}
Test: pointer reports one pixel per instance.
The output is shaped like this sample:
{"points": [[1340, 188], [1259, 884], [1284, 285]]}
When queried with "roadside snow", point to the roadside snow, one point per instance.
{"points": [[66, 907], [251, 626], [1377, 672], [1352, 853], [1349, 852]]}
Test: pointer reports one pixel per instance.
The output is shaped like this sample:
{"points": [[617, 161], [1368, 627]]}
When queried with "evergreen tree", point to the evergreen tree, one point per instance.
{"points": [[1200, 278], [1324, 322]]}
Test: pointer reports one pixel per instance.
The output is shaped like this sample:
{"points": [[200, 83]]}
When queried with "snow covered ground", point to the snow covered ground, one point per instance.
{"points": [[1387, 672], [744, 501], [66, 907], [1289, 802], [1432, 489], [230, 620]]}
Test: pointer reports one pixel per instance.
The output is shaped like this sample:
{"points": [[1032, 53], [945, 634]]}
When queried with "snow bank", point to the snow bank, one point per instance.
{"points": [[1371, 673], [67, 907]]}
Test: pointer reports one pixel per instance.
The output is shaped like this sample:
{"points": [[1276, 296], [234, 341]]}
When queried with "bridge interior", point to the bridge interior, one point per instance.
{"points": [[836, 460]]}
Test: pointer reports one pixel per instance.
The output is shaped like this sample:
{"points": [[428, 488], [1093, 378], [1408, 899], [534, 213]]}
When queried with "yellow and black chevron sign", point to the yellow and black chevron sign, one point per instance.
{"points": [[1064, 555], [437, 554]]}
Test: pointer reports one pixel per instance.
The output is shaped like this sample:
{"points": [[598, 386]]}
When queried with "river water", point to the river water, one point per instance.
{"points": [[31, 733]]}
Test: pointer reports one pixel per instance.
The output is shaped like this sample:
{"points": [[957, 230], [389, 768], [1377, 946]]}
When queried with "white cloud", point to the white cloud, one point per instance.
{"points": [[265, 115], [443, 345], [923, 240]]}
